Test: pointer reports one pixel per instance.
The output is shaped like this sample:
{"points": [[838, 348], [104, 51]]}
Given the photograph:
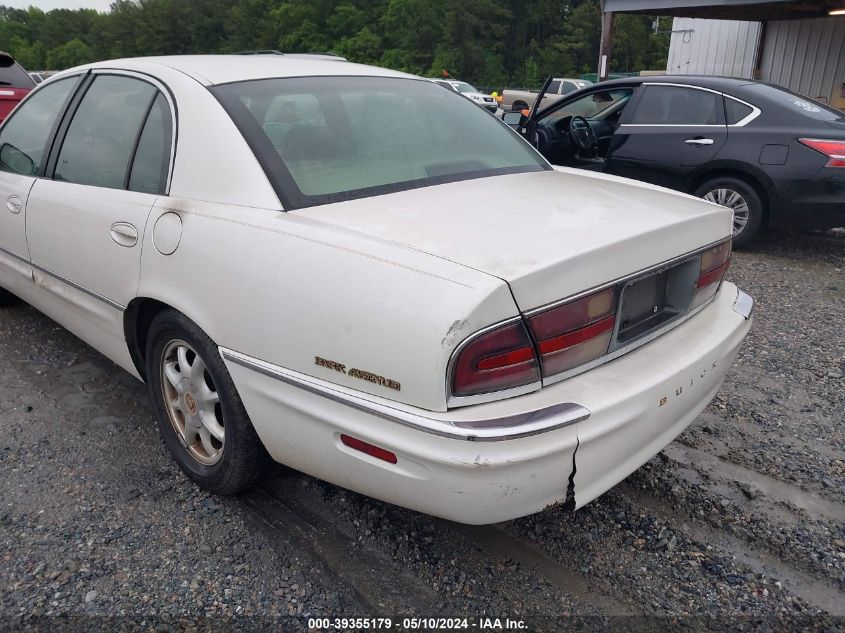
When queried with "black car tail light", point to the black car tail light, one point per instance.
{"points": [[502, 358], [834, 150]]}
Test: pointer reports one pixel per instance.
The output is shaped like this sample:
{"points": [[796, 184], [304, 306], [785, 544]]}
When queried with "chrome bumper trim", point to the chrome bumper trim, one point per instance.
{"points": [[744, 304], [475, 430]]}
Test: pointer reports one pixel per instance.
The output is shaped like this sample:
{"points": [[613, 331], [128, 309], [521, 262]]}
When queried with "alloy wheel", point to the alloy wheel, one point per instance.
{"points": [[192, 402], [735, 201]]}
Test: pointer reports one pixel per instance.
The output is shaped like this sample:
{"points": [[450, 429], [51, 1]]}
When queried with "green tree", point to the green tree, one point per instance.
{"points": [[72, 53], [492, 43]]}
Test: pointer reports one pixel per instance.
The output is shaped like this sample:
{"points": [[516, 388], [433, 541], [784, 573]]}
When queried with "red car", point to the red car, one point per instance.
{"points": [[15, 83]]}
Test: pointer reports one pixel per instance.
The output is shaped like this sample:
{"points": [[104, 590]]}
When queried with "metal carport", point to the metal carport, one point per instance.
{"points": [[762, 11]]}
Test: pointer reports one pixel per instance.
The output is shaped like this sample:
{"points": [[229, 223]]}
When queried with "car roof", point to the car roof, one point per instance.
{"points": [[220, 69], [704, 81]]}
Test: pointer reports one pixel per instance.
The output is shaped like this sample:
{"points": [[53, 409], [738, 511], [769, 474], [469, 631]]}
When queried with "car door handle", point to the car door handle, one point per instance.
{"points": [[14, 204], [124, 234], [699, 141]]}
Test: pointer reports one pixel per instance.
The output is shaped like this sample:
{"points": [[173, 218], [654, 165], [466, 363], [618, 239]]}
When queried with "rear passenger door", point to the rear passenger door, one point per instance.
{"points": [[110, 162], [667, 133]]}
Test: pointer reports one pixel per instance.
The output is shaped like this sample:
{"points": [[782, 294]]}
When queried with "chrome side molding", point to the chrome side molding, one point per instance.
{"points": [[476, 430]]}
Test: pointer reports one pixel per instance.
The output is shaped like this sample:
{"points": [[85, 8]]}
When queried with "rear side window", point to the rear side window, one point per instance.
{"points": [[673, 105], [152, 158], [796, 103], [554, 87], [24, 137], [736, 111], [102, 136], [12, 74]]}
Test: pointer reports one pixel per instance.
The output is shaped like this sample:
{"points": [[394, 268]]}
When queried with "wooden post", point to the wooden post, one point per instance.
{"points": [[607, 24]]}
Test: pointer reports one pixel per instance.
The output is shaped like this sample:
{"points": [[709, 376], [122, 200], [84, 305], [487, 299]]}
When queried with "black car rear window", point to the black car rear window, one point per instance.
{"points": [[797, 103], [12, 74], [328, 139], [736, 111]]}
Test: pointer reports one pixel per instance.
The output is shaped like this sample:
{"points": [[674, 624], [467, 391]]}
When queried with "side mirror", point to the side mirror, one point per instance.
{"points": [[513, 119], [16, 161]]}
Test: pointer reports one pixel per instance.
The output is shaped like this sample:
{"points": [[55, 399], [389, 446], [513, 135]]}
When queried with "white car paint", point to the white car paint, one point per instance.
{"points": [[485, 101], [390, 284]]}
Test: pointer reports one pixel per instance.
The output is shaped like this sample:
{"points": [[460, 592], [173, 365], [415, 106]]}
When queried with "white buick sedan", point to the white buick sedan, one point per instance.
{"points": [[366, 277]]}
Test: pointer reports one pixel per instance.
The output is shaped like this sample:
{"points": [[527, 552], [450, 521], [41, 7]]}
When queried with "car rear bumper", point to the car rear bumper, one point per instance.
{"points": [[606, 422], [812, 204]]}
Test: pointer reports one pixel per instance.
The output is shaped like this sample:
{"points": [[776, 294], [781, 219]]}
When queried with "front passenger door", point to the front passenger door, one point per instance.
{"points": [[667, 133], [85, 226]]}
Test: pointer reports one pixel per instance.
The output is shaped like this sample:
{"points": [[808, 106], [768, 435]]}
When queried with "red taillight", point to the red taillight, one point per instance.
{"points": [[500, 359], [834, 150], [714, 265], [369, 449], [576, 332]]}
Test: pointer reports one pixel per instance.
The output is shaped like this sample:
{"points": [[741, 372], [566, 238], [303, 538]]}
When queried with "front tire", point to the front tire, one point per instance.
{"points": [[200, 415], [743, 199]]}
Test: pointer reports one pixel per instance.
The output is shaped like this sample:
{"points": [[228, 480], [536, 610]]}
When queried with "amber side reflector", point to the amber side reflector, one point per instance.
{"points": [[369, 449]]}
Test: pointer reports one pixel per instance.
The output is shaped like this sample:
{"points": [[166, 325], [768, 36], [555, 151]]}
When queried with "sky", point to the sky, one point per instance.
{"points": [[47, 5]]}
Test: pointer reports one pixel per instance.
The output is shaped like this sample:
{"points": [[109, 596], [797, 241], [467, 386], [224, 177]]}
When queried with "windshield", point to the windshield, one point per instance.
{"points": [[463, 86], [327, 139], [796, 102], [592, 106]]}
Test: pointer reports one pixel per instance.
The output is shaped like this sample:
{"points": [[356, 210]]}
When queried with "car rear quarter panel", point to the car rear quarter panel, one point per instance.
{"points": [[286, 289]]}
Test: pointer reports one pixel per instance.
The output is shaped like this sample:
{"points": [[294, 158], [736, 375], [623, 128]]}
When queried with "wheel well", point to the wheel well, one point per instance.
{"points": [[751, 180], [137, 319]]}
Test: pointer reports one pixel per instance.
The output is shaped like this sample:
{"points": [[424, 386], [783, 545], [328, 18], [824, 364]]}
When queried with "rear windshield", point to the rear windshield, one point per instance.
{"points": [[796, 102], [327, 139], [12, 74]]}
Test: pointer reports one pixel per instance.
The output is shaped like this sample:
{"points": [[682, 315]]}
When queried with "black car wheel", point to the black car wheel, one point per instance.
{"points": [[7, 298], [742, 198], [200, 415]]}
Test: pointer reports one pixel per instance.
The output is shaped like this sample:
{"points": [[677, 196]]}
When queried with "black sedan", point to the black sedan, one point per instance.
{"points": [[776, 157]]}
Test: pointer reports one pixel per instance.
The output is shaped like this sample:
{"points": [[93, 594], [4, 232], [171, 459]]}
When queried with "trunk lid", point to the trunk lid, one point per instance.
{"points": [[549, 235]]}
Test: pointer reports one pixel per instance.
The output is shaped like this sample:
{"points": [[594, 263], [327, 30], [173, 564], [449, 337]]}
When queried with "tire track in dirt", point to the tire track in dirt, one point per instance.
{"points": [[821, 593]]}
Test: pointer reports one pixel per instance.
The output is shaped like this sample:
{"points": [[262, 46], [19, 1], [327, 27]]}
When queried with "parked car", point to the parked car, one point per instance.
{"points": [[413, 306], [518, 100], [775, 157], [15, 84], [470, 92]]}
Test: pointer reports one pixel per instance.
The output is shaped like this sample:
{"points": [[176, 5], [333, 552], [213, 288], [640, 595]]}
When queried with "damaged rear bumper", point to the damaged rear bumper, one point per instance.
{"points": [[501, 460]]}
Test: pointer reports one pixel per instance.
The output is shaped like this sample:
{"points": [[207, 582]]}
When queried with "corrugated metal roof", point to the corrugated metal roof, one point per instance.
{"points": [[726, 9]]}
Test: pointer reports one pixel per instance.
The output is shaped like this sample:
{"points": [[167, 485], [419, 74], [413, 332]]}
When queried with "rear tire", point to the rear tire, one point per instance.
{"points": [[8, 299], [200, 415], [747, 204]]}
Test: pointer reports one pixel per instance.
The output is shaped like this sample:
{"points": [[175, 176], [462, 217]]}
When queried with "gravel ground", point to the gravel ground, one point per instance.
{"points": [[739, 522]]}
